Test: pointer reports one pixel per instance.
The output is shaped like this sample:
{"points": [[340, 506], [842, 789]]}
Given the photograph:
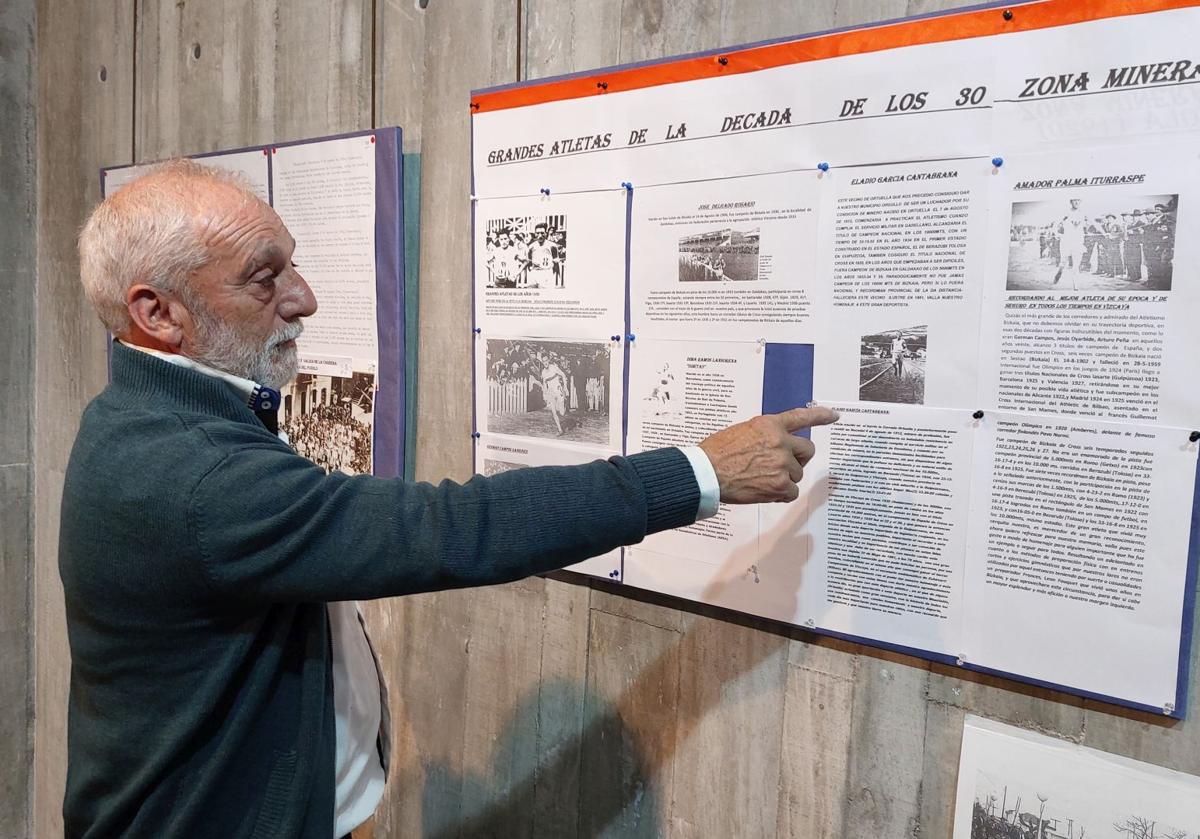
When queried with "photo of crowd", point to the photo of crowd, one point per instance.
{"points": [[526, 252], [329, 420], [719, 255], [1097, 243], [496, 467]]}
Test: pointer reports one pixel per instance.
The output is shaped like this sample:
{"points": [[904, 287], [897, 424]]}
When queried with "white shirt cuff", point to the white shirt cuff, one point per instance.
{"points": [[706, 477]]}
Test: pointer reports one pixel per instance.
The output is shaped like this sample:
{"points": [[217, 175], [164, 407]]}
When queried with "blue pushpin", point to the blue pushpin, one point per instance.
{"points": [[475, 435], [545, 190], [627, 185], [630, 337], [477, 330], [616, 337], [823, 166], [997, 162]]}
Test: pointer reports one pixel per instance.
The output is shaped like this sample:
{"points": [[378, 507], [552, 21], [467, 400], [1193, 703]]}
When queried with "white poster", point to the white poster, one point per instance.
{"points": [[741, 124], [556, 390], [1089, 308], [552, 265], [990, 224], [496, 455], [902, 263], [251, 165], [1118, 80], [325, 194], [887, 501], [1013, 782], [1078, 553], [679, 393], [928, 102], [916, 103], [735, 254]]}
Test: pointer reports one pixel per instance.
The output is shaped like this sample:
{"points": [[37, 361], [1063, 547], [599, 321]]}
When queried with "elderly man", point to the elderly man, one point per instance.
{"points": [[221, 685]]}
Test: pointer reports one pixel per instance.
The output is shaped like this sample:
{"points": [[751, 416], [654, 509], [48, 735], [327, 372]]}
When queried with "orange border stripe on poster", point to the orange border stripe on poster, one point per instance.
{"points": [[905, 33]]}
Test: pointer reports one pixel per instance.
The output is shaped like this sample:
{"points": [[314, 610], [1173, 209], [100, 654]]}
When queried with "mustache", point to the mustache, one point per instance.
{"points": [[287, 333]]}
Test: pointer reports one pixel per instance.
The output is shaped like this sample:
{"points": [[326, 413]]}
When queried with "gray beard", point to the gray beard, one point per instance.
{"points": [[220, 347]]}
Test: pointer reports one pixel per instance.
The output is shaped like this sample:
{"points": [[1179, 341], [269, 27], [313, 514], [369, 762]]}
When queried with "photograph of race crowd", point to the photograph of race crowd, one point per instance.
{"points": [[719, 255], [330, 420]]}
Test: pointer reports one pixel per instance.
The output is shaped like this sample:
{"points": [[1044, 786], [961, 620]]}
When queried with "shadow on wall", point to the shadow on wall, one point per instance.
{"points": [[598, 782], [603, 779]]}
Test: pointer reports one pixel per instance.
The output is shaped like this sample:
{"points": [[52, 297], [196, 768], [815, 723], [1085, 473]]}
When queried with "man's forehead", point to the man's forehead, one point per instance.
{"points": [[241, 224]]}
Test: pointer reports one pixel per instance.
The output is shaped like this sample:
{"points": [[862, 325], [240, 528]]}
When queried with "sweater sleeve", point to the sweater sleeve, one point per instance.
{"points": [[269, 525]]}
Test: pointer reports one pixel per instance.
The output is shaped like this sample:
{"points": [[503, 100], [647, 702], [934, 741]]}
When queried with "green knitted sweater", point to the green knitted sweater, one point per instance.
{"points": [[197, 552]]}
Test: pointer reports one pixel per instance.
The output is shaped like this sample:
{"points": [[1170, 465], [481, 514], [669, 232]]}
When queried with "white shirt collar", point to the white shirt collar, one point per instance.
{"points": [[244, 388]]}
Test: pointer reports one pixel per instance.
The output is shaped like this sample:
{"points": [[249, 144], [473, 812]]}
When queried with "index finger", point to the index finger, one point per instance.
{"points": [[798, 418]]}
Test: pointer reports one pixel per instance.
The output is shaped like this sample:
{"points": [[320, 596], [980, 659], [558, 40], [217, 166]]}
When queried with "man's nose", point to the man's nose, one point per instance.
{"points": [[299, 300]]}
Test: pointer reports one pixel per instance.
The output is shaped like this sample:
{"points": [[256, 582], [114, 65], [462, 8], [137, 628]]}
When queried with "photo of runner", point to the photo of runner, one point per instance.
{"points": [[1099, 243], [549, 389], [892, 366]]}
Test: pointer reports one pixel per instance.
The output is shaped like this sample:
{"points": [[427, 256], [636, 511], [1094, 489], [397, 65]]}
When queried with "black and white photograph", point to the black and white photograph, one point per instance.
{"points": [[720, 255], [664, 401], [1093, 243], [526, 252], [1019, 784], [495, 467], [558, 390], [891, 366], [330, 420], [1007, 808]]}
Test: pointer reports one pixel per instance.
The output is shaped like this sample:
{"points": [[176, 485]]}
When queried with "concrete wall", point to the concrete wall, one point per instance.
{"points": [[17, 273], [545, 708]]}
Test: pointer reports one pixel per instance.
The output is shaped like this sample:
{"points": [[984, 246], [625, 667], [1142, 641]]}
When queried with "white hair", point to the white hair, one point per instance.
{"points": [[149, 232]]}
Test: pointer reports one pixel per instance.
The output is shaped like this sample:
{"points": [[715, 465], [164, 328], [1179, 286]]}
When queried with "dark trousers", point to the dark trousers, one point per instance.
{"points": [[1133, 260]]}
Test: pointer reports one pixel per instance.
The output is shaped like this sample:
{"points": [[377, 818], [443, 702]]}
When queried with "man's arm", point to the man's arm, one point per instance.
{"points": [[270, 526]]}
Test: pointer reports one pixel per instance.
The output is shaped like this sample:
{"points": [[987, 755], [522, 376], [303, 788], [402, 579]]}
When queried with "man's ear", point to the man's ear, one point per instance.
{"points": [[157, 319]]}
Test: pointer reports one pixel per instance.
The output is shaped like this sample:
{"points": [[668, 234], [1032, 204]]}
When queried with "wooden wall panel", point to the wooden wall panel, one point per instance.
{"points": [[84, 122], [400, 69], [433, 787], [656, 28], [732, 680], [854, 12], [233, 73], [817, 739], [887, 729], [629, 739], [18, 237], [16, 686], [568, 36], [18, 196]]}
